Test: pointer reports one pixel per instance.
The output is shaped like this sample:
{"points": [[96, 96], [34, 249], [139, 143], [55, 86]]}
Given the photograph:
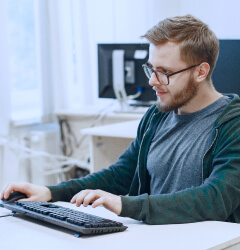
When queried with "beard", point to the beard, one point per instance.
{"points": [[180, 98]]}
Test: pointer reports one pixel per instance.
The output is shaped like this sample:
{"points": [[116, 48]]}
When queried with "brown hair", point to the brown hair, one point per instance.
{"points": [[197, 42]]}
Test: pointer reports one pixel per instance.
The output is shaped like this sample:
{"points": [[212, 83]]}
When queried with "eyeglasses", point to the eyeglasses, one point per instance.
{"points": [[162, 77]]}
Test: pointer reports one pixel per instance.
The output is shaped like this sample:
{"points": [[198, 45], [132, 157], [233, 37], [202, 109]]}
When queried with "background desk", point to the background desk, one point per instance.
{"points": [[93, 117], [108, 142], [17, 233]]}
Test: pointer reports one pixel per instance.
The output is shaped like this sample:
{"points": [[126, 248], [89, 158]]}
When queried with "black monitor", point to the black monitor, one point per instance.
{"points": [[121, 76], [226, 75]]}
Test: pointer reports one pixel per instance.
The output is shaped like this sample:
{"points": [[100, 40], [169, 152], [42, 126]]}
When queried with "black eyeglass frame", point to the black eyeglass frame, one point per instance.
{"points": [[167, 75]]}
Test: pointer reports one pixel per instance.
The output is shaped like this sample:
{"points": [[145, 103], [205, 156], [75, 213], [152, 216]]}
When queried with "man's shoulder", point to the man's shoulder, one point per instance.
{"points": [[231, 113]]}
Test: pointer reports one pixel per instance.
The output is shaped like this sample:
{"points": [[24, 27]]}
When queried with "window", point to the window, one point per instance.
{"points": [[23, 60], [53, 50]]}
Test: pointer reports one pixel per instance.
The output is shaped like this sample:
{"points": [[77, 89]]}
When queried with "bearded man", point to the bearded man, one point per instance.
{"points": [[184, 165]]}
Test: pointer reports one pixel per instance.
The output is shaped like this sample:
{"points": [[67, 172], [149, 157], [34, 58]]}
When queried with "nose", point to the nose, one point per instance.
{"points": [[154, 80]]}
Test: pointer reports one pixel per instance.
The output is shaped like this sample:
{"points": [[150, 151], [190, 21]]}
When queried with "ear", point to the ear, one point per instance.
{"points": [[202, 71]]}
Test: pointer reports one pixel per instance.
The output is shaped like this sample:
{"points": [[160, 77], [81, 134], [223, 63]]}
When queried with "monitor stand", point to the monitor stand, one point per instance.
{"points": [[118, 80], [126, 104]]}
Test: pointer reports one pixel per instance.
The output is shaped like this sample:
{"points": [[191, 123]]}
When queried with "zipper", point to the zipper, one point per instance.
{"points": [[207, 152], [139, 188]]}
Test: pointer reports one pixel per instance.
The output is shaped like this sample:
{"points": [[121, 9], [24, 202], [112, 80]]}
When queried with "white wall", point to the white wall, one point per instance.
{"points": [[223, 16]]}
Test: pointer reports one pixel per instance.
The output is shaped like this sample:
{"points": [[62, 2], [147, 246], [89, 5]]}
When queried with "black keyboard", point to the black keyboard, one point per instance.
{"points": [[80, 222]]}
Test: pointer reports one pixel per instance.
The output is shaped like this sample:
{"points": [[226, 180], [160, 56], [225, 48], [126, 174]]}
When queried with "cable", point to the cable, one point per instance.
{"points": [[11, 214], [58, 165], [66, 144], [69, 139], [7, 215], [139, 92], [30, 153]]}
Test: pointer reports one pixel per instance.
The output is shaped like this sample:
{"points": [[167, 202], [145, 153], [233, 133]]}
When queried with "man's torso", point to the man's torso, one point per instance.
{"points": [[174, 159]]}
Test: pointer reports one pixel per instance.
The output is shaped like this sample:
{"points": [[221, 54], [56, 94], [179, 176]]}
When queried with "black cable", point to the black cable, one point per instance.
{"points": [[63, 145], [11, 214], [1, 216], [66, 144], [69, 139]]}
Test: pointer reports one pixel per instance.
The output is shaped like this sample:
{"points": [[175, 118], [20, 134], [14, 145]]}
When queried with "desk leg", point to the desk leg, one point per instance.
{"points": [[105, 150]]}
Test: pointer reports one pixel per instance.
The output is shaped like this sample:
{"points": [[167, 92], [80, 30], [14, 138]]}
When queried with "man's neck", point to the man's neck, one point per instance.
{"points": [[206, 95]]}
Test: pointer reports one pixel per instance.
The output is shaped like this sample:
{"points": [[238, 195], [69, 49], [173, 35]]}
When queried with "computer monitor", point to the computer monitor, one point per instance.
{"points": [[121, 76], [226, 75]]}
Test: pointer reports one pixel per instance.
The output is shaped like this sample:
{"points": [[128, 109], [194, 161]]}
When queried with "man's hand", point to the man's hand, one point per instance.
{"points": [[98, 197], [33, 192]]}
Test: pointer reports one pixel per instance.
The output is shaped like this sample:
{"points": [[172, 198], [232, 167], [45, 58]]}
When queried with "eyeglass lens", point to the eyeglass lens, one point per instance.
{"points": [[161, 77]]}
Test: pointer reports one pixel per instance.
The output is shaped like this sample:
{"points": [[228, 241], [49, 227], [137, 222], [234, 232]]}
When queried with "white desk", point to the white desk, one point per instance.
{"points": [[17, 233], [108, 142], [88, 117]]}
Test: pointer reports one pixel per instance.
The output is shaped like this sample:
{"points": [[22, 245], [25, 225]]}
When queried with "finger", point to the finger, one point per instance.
{"points": [[7, 191], [110, 202], [26, 199], [3, 191], [29, 199], [98, 202], [80, 197], [14, 187], [91, 197], [73, 200]]}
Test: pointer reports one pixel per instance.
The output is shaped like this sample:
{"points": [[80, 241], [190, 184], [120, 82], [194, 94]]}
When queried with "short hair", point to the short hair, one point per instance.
{"points": [[198, 43]]}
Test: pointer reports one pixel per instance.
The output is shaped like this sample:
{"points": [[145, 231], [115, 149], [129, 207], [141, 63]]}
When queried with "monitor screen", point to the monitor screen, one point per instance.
{"points": [[134, 55], [226, 75]]}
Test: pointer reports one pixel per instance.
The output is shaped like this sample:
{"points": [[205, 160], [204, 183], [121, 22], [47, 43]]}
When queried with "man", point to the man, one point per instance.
{"points": [[184, 165]]}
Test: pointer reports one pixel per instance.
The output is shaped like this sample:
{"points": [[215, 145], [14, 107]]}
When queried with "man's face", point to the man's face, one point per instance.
{"points": [[182, 87]]}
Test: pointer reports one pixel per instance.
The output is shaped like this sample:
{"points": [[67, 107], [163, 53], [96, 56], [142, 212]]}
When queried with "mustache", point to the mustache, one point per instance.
{"points": [[159, 89]]}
